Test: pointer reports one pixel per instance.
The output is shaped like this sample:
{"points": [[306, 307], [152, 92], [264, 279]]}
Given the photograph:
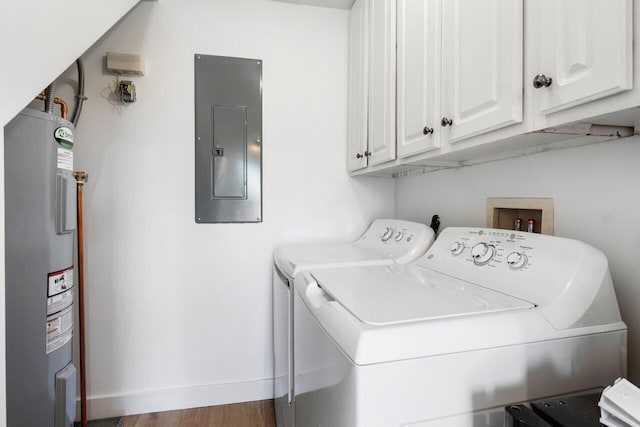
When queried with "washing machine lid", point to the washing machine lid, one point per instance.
{"points": [[402, 294]]}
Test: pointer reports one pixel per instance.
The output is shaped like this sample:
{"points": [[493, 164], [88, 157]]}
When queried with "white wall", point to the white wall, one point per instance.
{"points": [[179, 314], [595, 190]]}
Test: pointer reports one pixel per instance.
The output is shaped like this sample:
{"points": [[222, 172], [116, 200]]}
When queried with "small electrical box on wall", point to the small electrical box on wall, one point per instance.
{"points": [[518, 213], [125, 63], [127, 91]]}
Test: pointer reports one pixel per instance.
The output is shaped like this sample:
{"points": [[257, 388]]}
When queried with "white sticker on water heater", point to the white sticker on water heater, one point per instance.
{"points": [[60, 281], [65, 159], [59, 329], [59, 290], [59, 302]]}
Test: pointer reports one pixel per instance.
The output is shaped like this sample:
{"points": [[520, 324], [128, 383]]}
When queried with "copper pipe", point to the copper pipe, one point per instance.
{"points": [[81, 178], [64, 108]]}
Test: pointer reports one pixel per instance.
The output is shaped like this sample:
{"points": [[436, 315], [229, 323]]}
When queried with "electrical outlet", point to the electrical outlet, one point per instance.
{"points": [[127, 91]]}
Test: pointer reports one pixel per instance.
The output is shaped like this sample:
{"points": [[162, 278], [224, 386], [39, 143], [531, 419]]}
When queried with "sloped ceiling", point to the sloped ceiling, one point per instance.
{"points": [[42, 38]]}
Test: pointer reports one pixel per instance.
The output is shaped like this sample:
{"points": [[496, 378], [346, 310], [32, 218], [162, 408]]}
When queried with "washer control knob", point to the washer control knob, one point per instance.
{"points": [[457, 248], [387, 234], [482, 253], [400, 235], [517, 260]]}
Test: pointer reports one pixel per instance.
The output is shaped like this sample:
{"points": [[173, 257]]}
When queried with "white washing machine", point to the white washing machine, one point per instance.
{"points": [[485, 318], [385, 242]]}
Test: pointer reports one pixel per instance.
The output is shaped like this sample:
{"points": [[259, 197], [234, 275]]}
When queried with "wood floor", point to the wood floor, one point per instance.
{"points": [[249, 414]]}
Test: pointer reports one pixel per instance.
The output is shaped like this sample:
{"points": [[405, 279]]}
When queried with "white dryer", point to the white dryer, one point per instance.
{"points": [[485, 318], [386, 242]]}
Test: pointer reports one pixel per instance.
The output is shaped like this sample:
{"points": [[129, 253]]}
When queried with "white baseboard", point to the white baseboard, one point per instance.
{"points": [[177, 398]]}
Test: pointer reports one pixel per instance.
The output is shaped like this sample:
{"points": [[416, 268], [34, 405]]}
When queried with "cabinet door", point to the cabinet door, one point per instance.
{"points": [[585, 47], [419, 48], [358, 86], [382, 81], [482, 66]]}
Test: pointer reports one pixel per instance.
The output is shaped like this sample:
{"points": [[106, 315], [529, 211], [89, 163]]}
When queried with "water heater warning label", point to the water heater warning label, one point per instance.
{"points": [[59, 308], [65, 159], [59, 290], [59, 302], [59, 329], [60, 281]]}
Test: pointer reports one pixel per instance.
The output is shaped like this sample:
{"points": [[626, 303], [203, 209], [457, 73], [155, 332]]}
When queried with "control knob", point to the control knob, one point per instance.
{"points": [[400, 235], [457, 248], [517, 260], [482, 253], [387, 234]]}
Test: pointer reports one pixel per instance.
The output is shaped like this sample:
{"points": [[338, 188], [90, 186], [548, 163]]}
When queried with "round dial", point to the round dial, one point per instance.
{"points": [[387, 234], [482, 253], [400, 235], [517, 260], [457, 248]]}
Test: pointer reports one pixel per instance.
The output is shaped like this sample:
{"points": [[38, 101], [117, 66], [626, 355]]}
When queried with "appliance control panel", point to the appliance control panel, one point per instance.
{"points": [[400, 239], [396, 235], [531, 266], [495, 248]]}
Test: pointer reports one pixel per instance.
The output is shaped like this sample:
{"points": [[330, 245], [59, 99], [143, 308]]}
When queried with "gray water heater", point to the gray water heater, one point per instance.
{"points": [[40, 216]]}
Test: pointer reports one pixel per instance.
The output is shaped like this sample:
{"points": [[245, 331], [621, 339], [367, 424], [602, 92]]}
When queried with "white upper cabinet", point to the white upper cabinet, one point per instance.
{"points": [[582, 51], [358, 87], [482, 66], [418, 85], [442, 83], [382, 81]]}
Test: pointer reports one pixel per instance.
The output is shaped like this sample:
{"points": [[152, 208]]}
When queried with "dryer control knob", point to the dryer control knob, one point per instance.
{"points": [[482, 253], [457, 248], [517, 260], [400, 235], [387, 234]]}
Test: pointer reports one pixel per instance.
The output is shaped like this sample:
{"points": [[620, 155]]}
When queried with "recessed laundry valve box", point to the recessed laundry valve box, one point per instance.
{"points": [[533, 214]]}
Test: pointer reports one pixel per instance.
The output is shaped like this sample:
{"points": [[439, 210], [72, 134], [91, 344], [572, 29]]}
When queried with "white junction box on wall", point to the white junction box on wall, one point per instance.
{"points": [[125, 63]]}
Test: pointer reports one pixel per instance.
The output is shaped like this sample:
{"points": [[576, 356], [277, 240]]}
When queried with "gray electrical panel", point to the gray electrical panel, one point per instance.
{"points": [[40, 217], [228, 131]]}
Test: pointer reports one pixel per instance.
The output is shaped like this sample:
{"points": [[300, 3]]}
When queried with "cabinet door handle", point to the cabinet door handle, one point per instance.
{"points": [[359, 156], [367, 153], [427, 130], [541, 81], [446, 122]]}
